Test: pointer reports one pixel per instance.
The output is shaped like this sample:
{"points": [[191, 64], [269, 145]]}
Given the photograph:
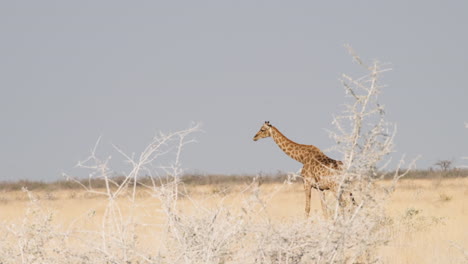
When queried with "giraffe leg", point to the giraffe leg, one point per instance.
{"points": [[323, 202], [307, 190], [342, 203]]}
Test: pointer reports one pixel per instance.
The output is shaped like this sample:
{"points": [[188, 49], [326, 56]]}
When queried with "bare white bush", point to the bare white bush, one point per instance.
{"points": [[37, 240], [355, 233], [208, 235], [365, 139], [118, 237]]}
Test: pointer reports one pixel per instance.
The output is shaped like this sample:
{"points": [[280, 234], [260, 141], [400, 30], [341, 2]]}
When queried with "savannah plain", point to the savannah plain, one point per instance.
{"points": [[428, 217]]}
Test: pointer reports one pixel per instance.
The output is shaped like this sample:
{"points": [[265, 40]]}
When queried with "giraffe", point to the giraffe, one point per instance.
{"points": [[316, 165]]}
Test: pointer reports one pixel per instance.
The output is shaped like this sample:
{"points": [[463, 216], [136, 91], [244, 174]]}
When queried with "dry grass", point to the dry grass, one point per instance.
{"points": [[428, 219], [430, 222]]}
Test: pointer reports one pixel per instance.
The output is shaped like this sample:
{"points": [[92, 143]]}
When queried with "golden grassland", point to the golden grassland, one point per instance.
{"points": [[429, 218]]}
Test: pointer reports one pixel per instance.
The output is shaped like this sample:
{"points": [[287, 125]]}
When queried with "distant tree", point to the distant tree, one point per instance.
{"points": [[444, 165]]}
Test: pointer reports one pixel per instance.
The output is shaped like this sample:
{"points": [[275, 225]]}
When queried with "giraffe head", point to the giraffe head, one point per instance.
{"points": [[265, 131]]}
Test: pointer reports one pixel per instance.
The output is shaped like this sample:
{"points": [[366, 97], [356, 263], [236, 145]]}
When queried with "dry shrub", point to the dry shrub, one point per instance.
{"points": [[37, 240], [443, 197]]}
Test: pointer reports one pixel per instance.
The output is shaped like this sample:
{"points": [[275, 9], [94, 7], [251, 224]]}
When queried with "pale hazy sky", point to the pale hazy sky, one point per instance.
{"points": [[71, 71]]}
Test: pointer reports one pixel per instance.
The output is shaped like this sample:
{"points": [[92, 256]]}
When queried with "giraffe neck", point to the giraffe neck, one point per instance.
{"points": [[299, 152]]}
